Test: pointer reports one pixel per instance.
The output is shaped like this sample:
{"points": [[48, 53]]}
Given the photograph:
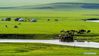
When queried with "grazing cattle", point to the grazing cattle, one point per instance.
{"points": [[48, 19], [15, 26], [6, 26], [33, 20], [6, 19], [56, 19]]}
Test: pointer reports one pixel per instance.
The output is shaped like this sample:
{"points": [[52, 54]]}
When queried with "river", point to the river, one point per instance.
{"points": [[57, 42]]}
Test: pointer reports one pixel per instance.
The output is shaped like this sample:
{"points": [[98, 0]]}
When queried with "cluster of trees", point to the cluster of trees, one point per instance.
{"points": [[82, 31], [68, 35]]}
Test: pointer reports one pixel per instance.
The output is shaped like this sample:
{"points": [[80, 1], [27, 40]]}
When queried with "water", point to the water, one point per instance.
{"points": [[92, 21], [91, 53], [57, 42]]}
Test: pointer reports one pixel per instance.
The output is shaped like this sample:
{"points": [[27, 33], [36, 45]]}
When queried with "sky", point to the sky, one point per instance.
{"points": [[36, 2]]}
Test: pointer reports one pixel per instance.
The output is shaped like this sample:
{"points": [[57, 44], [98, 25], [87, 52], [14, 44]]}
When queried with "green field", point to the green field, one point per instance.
{"points": [[69, 15], [36, 49], [68, 20]]}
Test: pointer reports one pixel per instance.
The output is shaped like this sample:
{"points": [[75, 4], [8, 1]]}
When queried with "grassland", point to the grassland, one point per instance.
{"points": [[43, 29], [46, 27], [36, 49], [47, 30], [67, 20]]}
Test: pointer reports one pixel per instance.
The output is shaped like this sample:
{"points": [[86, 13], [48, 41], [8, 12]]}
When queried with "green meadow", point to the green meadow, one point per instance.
{"points": [[69, 15], [67, 20], [44, 29], [38, 49]]}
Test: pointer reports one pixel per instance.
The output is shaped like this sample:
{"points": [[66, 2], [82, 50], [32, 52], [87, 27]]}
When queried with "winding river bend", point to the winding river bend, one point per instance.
{"points": [[57, 42]]}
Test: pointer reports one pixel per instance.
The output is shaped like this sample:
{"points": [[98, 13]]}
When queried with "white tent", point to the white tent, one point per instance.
{"points": [[21, 20], [33, 20]]}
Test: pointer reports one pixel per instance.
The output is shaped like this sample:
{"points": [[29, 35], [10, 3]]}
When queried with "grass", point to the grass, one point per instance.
{"points": [[47, 30], [38, 49], [46, 13], [46, 27], [68, 20]]}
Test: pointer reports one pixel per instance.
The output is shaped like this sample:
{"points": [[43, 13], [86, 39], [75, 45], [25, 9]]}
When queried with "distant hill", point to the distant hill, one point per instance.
{"points": [[61, 5]]}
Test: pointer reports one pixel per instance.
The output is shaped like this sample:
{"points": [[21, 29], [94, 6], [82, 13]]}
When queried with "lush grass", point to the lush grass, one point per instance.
{"points": [[68, 20], [46, 27], [35, 49], [48, 30], [47, 13]]}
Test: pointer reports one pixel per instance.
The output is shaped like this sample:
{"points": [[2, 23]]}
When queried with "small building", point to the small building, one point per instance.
{"points": [[6, 19], [16, 19], [33, 20], [21, 20]]}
